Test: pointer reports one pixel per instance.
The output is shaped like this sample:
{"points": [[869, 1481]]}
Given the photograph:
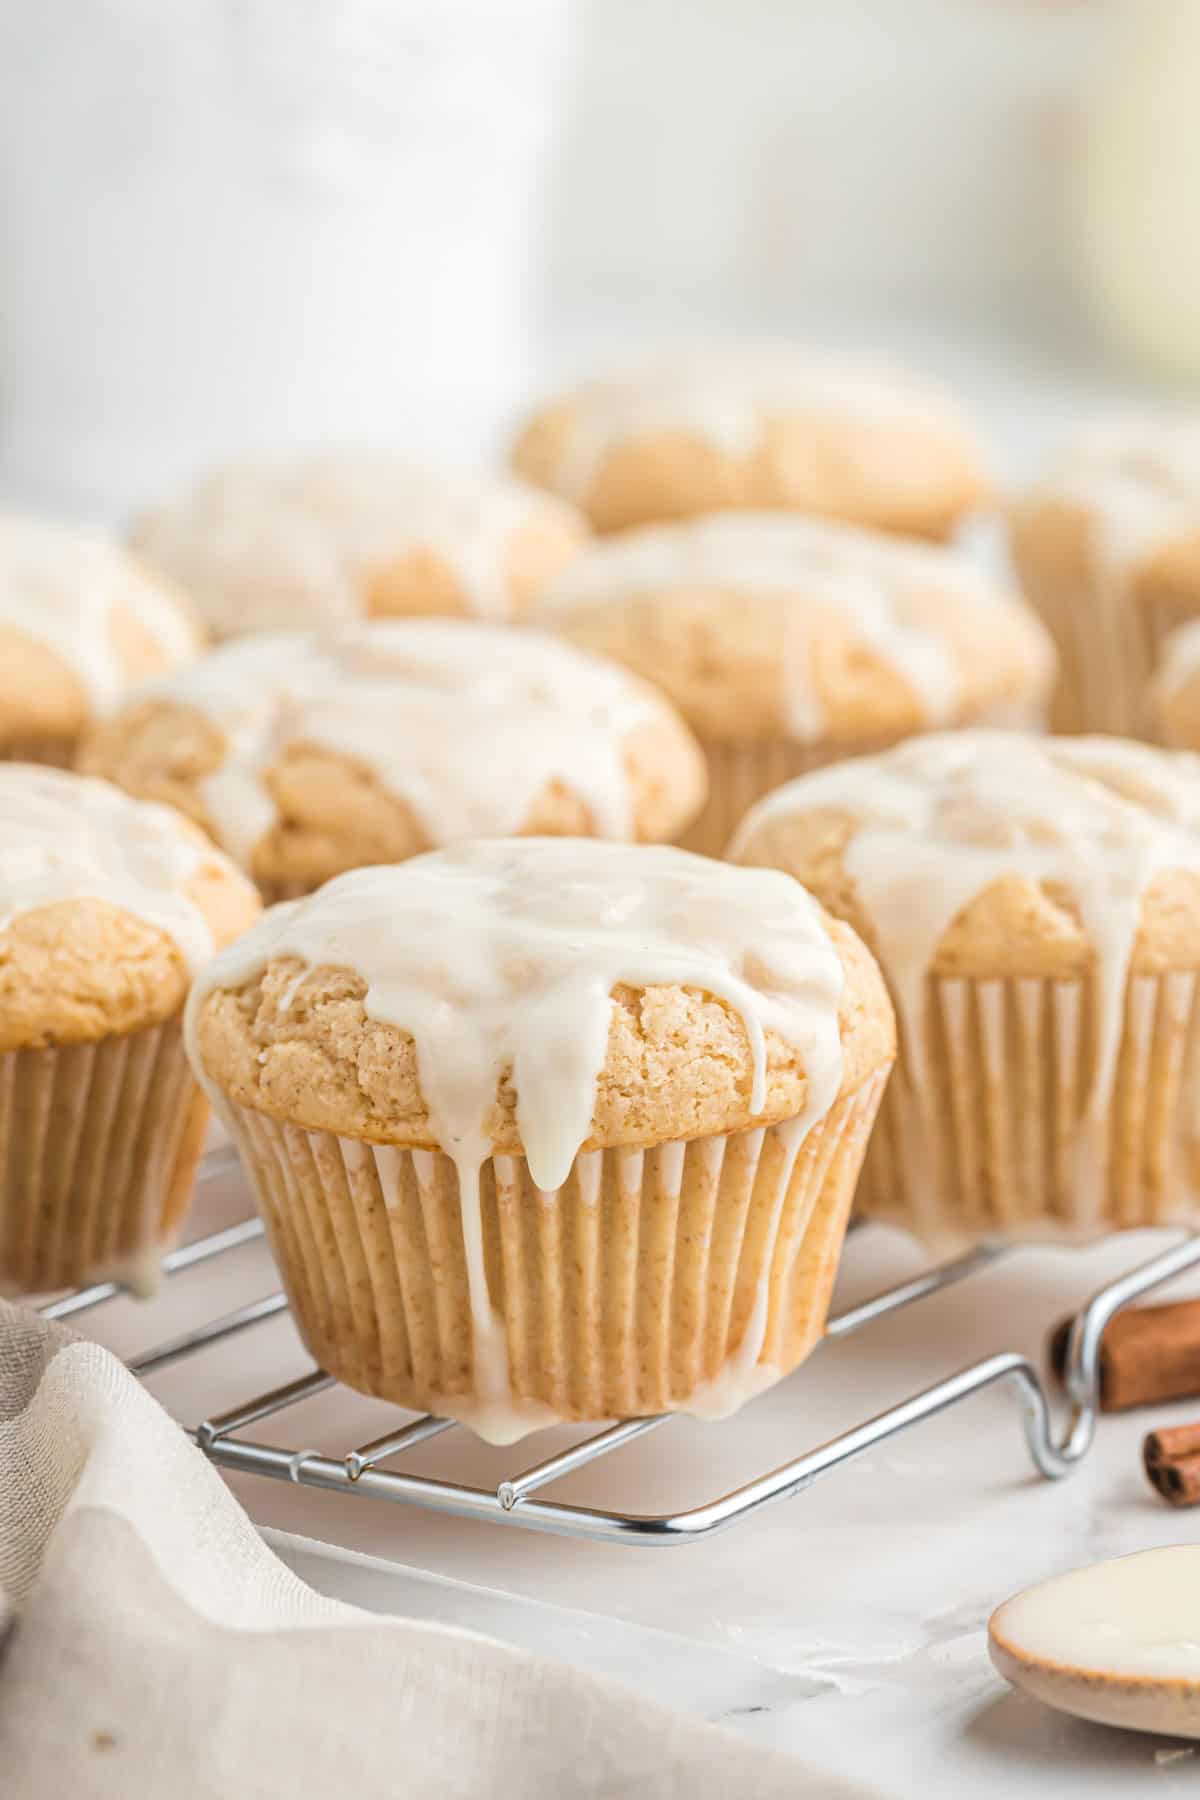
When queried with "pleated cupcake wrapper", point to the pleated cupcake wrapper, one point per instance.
{"points": [[685, 1276], [740, 774], [1103, 663], [1005, 1143], [1108, 645], [98, 1147]]}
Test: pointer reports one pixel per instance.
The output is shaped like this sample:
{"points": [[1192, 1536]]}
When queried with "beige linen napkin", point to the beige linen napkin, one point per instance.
{"points": [[153, 1645]]}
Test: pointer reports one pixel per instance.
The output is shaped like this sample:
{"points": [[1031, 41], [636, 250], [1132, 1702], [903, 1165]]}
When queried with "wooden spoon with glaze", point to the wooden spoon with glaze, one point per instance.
{"points": [[1118, 1642]]}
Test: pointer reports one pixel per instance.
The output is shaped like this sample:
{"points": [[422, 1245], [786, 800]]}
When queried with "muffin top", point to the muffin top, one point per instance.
{"points": [[770, 624], [261, 546], [1120, 505], [107, 907], [543, 996], [306, 754], [759, 426], [81, 620], [994, 855]]}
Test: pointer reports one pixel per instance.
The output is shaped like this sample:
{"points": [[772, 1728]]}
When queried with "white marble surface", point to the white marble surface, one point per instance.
{"points": [[846, 1623]]}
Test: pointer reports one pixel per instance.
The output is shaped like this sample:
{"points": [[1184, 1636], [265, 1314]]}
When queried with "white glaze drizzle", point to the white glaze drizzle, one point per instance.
{"points": [[467, 722], [67, 837], [264, 546], [1136, 1617], [724, 396], [940, 819], [62, 586], [501, 957], [1139, 480], [879, 584]]}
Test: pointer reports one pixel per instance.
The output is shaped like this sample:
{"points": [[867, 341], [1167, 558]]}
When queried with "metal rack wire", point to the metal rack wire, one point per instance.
{"points": [[514, 1501]]}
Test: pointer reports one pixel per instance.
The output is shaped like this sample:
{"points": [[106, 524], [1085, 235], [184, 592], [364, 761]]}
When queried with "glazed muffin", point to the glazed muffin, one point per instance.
{"points": [[81, 621], [788, 642], [1107, 545], [307, 754], [326, 540], [547, 1129], [108, 907], [760, 427], [1035, 907], [1175, 690]]}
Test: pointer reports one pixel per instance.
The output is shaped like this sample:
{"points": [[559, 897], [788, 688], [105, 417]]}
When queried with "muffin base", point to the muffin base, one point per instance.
{"points": [[98, 1149], [685, 1277], [1005, 1147]]}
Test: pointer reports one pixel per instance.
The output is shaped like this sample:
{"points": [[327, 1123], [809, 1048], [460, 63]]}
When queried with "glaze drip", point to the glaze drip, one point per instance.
{"points": [[880, 585], [65, 588], [1140, 481], [941, 819], [66, 837], [467, 723], [266, 546], [726, 396], [500, 958]]}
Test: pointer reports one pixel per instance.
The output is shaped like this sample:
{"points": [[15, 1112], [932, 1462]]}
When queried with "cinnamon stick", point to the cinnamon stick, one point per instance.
{"points": [[1148, 1354], [1172, 1463]]}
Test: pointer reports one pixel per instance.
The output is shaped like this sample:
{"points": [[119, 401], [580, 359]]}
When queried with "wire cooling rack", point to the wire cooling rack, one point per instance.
{"points": [[1054, 1447]]}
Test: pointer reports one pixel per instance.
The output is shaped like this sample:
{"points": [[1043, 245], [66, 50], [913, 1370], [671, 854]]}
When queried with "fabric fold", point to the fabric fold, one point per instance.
{"points": [[153, 1644]]}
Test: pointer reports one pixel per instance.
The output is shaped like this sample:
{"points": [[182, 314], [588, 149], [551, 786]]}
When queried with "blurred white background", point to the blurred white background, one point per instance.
{"points": [[262, 223], [773, 155]]}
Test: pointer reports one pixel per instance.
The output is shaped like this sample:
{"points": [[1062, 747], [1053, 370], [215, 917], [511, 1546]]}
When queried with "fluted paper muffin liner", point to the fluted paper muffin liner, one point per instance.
{"points": [[98, 1148], [1103, 659], [1008, 1143], [682, 1277], [1108, 645], [740, 774]]}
